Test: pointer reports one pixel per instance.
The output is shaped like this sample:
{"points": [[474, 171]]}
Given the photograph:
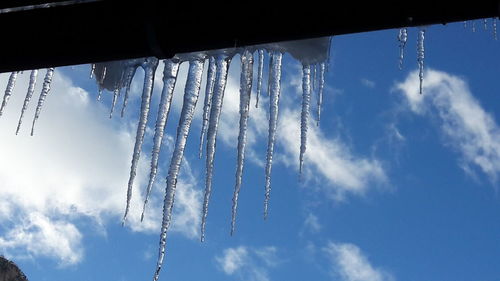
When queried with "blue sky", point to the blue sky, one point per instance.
{"points": [[397, 186]]}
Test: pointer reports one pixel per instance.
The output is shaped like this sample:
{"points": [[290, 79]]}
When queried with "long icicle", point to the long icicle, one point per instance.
{"points": [[321, 86], [245, 93], [260, 70], [169, 79], [217, 98], [274, 87], [149, 73], [209, 89], [421, 56], [190, 98], [29, 94], [304, 116], [8, 90], [43, 95], [402, 38], [129, 76]]}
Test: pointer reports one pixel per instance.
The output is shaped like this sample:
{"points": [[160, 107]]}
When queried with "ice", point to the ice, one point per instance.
{"points": [[217, 98], [169, 79], [321, 86], [209, 89], [43, 95], [402, 38], [260, 70], [116, 93], [190, 98], [149, 66], [8, 90], [245, 93], [304, 116], [494, 23], [274, 89], [421, 56], [31, 89], [129, 75]]}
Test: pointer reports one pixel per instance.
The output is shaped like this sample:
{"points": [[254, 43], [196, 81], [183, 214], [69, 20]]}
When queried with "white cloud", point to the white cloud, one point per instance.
{"points": [[350, 264], [311, 223], [466, 125], [233, 259], [40, 235], [77, 165], [248, 263]]}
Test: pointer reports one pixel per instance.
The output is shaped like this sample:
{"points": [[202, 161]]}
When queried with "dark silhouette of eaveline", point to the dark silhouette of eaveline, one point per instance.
{"points": [[10, 272]]}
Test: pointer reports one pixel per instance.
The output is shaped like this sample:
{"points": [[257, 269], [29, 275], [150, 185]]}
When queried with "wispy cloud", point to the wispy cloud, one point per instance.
{"points": [[248, 263], [349, 263], [467, 127], [368, 83]]}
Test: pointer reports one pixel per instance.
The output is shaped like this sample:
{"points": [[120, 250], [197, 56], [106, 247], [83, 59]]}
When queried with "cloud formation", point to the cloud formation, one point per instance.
{"points": [[467, 127], [248, 263], [349, 263]]}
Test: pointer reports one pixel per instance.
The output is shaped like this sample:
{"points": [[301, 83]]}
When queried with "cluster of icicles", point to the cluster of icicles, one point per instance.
{"points": [[218, 66], [117, 77], [31, 89]]}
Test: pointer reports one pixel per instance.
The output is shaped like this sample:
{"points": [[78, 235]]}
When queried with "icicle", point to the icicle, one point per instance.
{"points": [[421, 56], [99, 93], [149, 73], [129, 75], [269, 77], [321, 86], [31, 89], [92, 70], [314, 77], [209, 89], [402, 38], [103, 76], [8, 90], [465, 24], [473, 26], [116, 92], [274, 85], [260, 70], [304, 116], [485, 24], [494, 23], [217, 97], [169, 79], [190, 98], [245, 93], [45, 90]]}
